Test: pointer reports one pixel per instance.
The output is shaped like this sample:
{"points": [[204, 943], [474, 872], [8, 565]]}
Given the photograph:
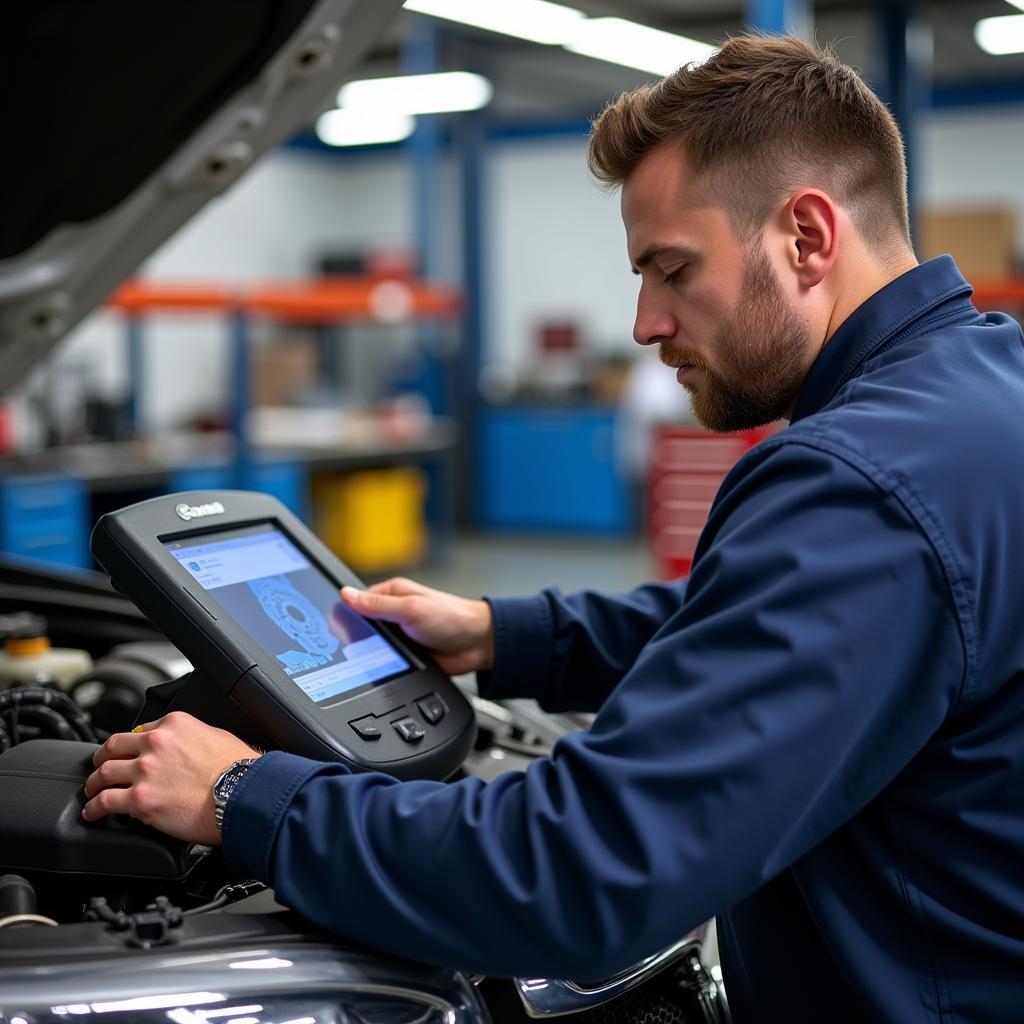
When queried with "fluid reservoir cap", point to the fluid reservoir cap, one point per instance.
{"points": [[22, 626]]}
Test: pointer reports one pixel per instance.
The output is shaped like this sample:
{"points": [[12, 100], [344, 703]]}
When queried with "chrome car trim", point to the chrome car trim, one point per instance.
{"points": [[158, 981], [550, 997]]}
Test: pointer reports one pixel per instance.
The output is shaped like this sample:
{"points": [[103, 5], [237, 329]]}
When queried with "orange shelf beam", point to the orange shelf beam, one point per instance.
{"points": [[381, 300], [140, 297], [992, 294], [384, 299]]}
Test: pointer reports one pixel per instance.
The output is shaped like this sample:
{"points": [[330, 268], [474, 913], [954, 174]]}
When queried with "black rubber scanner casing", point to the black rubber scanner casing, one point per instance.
{"points": [[237, 685]]}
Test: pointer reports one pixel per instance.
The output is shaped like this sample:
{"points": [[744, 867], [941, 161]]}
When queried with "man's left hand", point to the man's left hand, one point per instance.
{"points": [[164, 775]]}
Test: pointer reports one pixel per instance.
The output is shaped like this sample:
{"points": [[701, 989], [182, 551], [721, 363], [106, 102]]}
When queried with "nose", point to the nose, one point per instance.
{"points": [[654, 324]]}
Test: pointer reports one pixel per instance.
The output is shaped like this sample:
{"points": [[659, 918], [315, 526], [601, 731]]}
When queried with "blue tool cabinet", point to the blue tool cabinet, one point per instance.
{"points": [[551, 469], [45, 517]]}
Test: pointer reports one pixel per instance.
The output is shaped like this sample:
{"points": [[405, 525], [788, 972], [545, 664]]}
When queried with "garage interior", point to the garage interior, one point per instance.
{"points": [[413, 325], [474, 376]]}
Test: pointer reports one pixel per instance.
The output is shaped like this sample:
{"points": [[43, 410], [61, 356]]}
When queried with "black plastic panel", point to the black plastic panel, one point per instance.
{"points": [[48, 776]]}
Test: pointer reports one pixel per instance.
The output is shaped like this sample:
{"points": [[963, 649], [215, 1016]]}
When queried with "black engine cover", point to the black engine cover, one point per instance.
{"points": [[41, 826]]}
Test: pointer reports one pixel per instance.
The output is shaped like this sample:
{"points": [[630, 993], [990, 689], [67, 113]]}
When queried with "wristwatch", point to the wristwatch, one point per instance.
{"points": [[225, 786]]}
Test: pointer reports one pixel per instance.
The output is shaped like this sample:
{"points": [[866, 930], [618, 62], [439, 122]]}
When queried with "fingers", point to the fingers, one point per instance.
{"points": [[120, 746], [124, 745], [398, 586], [108, 789], [108, 801], [111, 773], [376, 605]]}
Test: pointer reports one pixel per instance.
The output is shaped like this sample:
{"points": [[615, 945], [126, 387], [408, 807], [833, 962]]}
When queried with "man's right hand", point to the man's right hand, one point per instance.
{"points": [[457, 631]]}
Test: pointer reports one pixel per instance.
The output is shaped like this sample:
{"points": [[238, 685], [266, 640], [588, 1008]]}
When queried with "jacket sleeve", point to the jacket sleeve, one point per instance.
{"points": [[568, 653], [816, 652]]}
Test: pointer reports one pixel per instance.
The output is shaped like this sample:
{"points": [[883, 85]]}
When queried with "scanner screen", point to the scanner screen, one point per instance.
{"points": [[272, 590]]}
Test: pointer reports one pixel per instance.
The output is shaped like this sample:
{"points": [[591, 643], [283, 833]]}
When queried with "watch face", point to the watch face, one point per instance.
{"points": [[228, 780]]}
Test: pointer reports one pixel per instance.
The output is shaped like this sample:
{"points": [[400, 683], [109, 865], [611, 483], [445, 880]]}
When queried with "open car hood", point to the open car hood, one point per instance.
{"points": [[122, 119]]}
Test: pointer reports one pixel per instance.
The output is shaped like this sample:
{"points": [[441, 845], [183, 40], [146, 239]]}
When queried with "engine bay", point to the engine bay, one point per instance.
{"points": [[51, 722]]}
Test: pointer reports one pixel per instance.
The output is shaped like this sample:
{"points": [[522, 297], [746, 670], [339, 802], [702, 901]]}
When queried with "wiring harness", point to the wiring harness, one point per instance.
{"points": [[36, 712]]}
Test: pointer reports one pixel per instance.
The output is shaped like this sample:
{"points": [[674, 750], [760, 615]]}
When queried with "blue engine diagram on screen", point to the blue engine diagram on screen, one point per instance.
{"points": [[291, 610], [297, 617]]}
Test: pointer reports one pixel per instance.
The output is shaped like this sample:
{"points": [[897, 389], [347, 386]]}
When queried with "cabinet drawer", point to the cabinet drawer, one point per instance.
{"points": [[45, 518]]}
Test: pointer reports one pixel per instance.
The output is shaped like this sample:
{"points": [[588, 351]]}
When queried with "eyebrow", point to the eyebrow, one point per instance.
{"points": [[658, 249]]}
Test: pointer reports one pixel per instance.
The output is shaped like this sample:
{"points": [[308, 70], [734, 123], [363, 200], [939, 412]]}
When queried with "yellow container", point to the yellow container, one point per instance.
{"points": [[373, 519]]}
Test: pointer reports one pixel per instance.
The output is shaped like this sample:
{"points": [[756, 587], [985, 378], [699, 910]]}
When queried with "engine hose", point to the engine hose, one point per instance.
{"points": [[60, 704], [17, 896], [48, 722], [18, 903]]}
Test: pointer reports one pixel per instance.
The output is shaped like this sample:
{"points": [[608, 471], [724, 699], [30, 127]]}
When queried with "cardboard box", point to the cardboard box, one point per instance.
{"points": [[282, 370], [982, 240]]}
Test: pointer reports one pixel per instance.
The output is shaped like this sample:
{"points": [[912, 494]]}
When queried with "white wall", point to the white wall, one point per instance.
{"points": [[271, 226], [556, 247], [970, 155], [557, 250]]}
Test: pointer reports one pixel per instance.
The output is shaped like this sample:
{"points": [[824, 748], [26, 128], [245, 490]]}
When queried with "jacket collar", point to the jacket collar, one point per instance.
{"points": [[894, 312]]}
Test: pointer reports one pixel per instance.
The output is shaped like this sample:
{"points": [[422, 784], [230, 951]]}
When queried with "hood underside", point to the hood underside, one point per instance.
{"points": [[125, 118]]}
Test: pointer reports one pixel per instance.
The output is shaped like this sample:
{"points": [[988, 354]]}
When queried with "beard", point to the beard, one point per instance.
{"points": [[760, 354]]}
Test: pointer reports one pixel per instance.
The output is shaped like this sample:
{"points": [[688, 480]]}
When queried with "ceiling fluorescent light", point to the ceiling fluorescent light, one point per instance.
{"points": [[636, 46], [536, 20], [362, 128], [418, 94], [1001, 35]]}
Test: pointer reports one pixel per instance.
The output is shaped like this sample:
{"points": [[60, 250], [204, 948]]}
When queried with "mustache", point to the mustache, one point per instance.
{"points": [[677, 357]]}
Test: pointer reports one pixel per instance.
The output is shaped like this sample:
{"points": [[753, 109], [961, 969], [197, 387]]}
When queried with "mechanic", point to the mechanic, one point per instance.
{"points": [[819, 735]]}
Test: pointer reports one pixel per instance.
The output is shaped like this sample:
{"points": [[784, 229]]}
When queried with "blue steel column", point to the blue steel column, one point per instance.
{"points": [[420, 57], [471, 140], [781, 16], [136, 373], [904, 76], [240, 395]]}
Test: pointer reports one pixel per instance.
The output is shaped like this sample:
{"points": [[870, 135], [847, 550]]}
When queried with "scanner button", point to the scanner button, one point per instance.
{"points": [[366, 727], [432, 708], [410, 731]]}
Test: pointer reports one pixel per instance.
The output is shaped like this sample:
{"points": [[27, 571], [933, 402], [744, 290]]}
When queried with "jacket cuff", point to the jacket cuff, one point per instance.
{"points": [[523, 648], [254, 810]]}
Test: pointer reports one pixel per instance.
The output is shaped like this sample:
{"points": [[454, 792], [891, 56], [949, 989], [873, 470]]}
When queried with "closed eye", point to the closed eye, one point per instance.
{"points": [[674, 275]]}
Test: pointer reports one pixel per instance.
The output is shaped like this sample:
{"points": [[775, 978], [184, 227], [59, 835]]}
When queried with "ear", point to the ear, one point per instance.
{"points": [[811, 224]]}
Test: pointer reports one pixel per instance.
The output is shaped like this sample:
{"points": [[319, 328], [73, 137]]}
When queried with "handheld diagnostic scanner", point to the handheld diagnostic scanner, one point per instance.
{"points": [[250, 596]]}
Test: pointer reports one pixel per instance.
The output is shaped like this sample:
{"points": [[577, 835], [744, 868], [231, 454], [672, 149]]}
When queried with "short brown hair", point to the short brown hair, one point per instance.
{"points": [[767, 114]]}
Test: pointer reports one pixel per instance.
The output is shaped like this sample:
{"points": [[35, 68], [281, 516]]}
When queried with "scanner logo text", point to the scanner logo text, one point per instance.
{"points": [[190, 512]]}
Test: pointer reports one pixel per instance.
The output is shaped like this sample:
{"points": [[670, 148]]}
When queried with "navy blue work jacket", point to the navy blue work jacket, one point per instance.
{"points": [[820, 737]]}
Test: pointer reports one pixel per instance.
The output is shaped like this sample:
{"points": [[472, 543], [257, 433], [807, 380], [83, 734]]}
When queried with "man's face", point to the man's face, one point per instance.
{"points": [[715, 307]]}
